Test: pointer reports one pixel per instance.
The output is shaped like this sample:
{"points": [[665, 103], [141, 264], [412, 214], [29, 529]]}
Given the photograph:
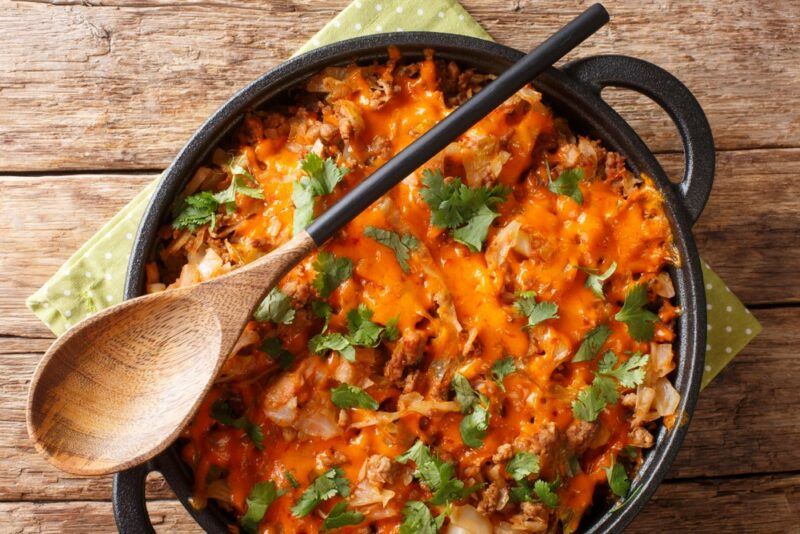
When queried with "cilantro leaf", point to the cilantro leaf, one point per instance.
{"points": [[468, 211], [322, 343], [392, 333], [546, 492], [327, 485], [501, 369], [340, 517], [639, 320], [437, 474], [402, 245], [197, 210], [221, 411], [595, 280], [261, 497], [418, 519], [522, 465], [618, 479], [630, 373], [347, 396], [592, 342], [474, 426], [594, 399], [240, 178], [474, 233], [466, 397], [274, 348], [331, 272], [276, 307], [536, 312], [321, 178], [567, 184], [363, 332]]}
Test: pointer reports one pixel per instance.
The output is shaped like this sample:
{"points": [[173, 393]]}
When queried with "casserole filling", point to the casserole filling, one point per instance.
{"points": [[486, 348]]}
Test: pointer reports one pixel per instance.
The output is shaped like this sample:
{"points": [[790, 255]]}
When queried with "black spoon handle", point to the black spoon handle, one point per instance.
{"points": [[458, 122]]}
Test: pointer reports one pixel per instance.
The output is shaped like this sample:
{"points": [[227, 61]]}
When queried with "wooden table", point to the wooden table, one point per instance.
{"points": [[96, 97]]}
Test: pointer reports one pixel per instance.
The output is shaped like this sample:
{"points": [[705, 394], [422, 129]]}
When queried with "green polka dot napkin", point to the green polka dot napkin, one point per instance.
{"points": [[93, 278]]}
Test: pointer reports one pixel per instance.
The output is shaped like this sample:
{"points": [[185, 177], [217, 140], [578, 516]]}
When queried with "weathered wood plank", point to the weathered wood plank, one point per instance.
{"points": [[763, 504], [733, 432], [745, 233], [131, 81]]}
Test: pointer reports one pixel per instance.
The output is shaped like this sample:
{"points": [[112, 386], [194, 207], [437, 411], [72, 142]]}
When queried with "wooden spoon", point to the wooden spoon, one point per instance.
{"points": [[117, 388]]}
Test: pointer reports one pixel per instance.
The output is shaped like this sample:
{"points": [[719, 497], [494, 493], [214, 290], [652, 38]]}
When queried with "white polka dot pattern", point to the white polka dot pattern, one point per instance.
{"points": [[94, 276]]}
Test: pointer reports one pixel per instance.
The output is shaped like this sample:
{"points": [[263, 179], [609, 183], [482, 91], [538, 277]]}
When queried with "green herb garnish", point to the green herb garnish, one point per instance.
{"points": [[221, 411], [262, 495], [536, 312], [324, 487], [639, 320], [331, 272], [402, 245], [321, 177], [591, 344], [347, 396], [339, 516], [276, 307]]}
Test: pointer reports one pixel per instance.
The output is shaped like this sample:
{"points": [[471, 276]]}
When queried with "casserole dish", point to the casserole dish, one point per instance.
{"points": [[574, 94]]}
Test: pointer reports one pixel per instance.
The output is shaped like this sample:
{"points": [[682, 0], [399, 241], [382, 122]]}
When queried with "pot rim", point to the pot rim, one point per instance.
{"points": [[576, 100]]}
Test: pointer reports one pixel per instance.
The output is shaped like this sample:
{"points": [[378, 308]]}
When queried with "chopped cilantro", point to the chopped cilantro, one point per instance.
{"points": [[261, 497], [474, 426], [197, 210], [522, 465], [603, 390], [221, 411], [347, 396], [501, 369], [595, 280], [630, 373], [339, 516], [274, 348], [466, 397], [618, 479], [418, 519], [276, 307], [392, 333], [546, 491], [466, 211], [437, 474], [536, 312], [363, 332], [567, 184], [321, 343], [321, 177], [324, 487], [476, 421], [331, 272], [592, 342], [401, 245], [639, 320]]}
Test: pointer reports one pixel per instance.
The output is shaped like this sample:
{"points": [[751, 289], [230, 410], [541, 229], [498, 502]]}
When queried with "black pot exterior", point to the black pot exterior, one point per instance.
{"points": [[573, 93]]}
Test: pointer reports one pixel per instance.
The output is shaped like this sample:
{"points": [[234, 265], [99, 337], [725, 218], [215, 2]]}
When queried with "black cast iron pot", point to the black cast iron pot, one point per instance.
{"points": [[574, 93]]}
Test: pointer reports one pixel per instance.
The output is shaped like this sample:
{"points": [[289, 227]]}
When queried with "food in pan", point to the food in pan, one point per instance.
{"points": [[488, 347]]}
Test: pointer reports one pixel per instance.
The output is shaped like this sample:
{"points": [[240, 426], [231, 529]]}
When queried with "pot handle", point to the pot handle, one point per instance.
{"points": [[680, 104], [128, 500]]}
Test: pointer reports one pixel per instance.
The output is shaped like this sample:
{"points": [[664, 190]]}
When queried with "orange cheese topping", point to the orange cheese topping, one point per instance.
{"points": [[454, 308]]}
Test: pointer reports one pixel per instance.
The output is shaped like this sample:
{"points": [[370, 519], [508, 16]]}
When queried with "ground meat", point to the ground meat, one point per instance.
{"points": [[380, 470], [328, 458], [542, 443], [407, 352], [629, 400], [580, 434], [503, 454], [615, 166], [299, 290], [328, 133], [532, 518], [493, 499]]}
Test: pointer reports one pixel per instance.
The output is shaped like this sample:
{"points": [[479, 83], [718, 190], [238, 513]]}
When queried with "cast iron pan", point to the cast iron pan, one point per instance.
{"points": [[574, 93]]}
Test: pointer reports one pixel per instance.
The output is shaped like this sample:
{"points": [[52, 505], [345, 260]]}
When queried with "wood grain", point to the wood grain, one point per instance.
{"points": [[757, 505], [743, 238], [729, 417], [132, 81]]}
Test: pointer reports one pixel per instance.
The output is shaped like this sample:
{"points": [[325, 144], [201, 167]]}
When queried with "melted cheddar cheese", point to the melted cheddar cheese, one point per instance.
{"points": [[455, 310]]}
